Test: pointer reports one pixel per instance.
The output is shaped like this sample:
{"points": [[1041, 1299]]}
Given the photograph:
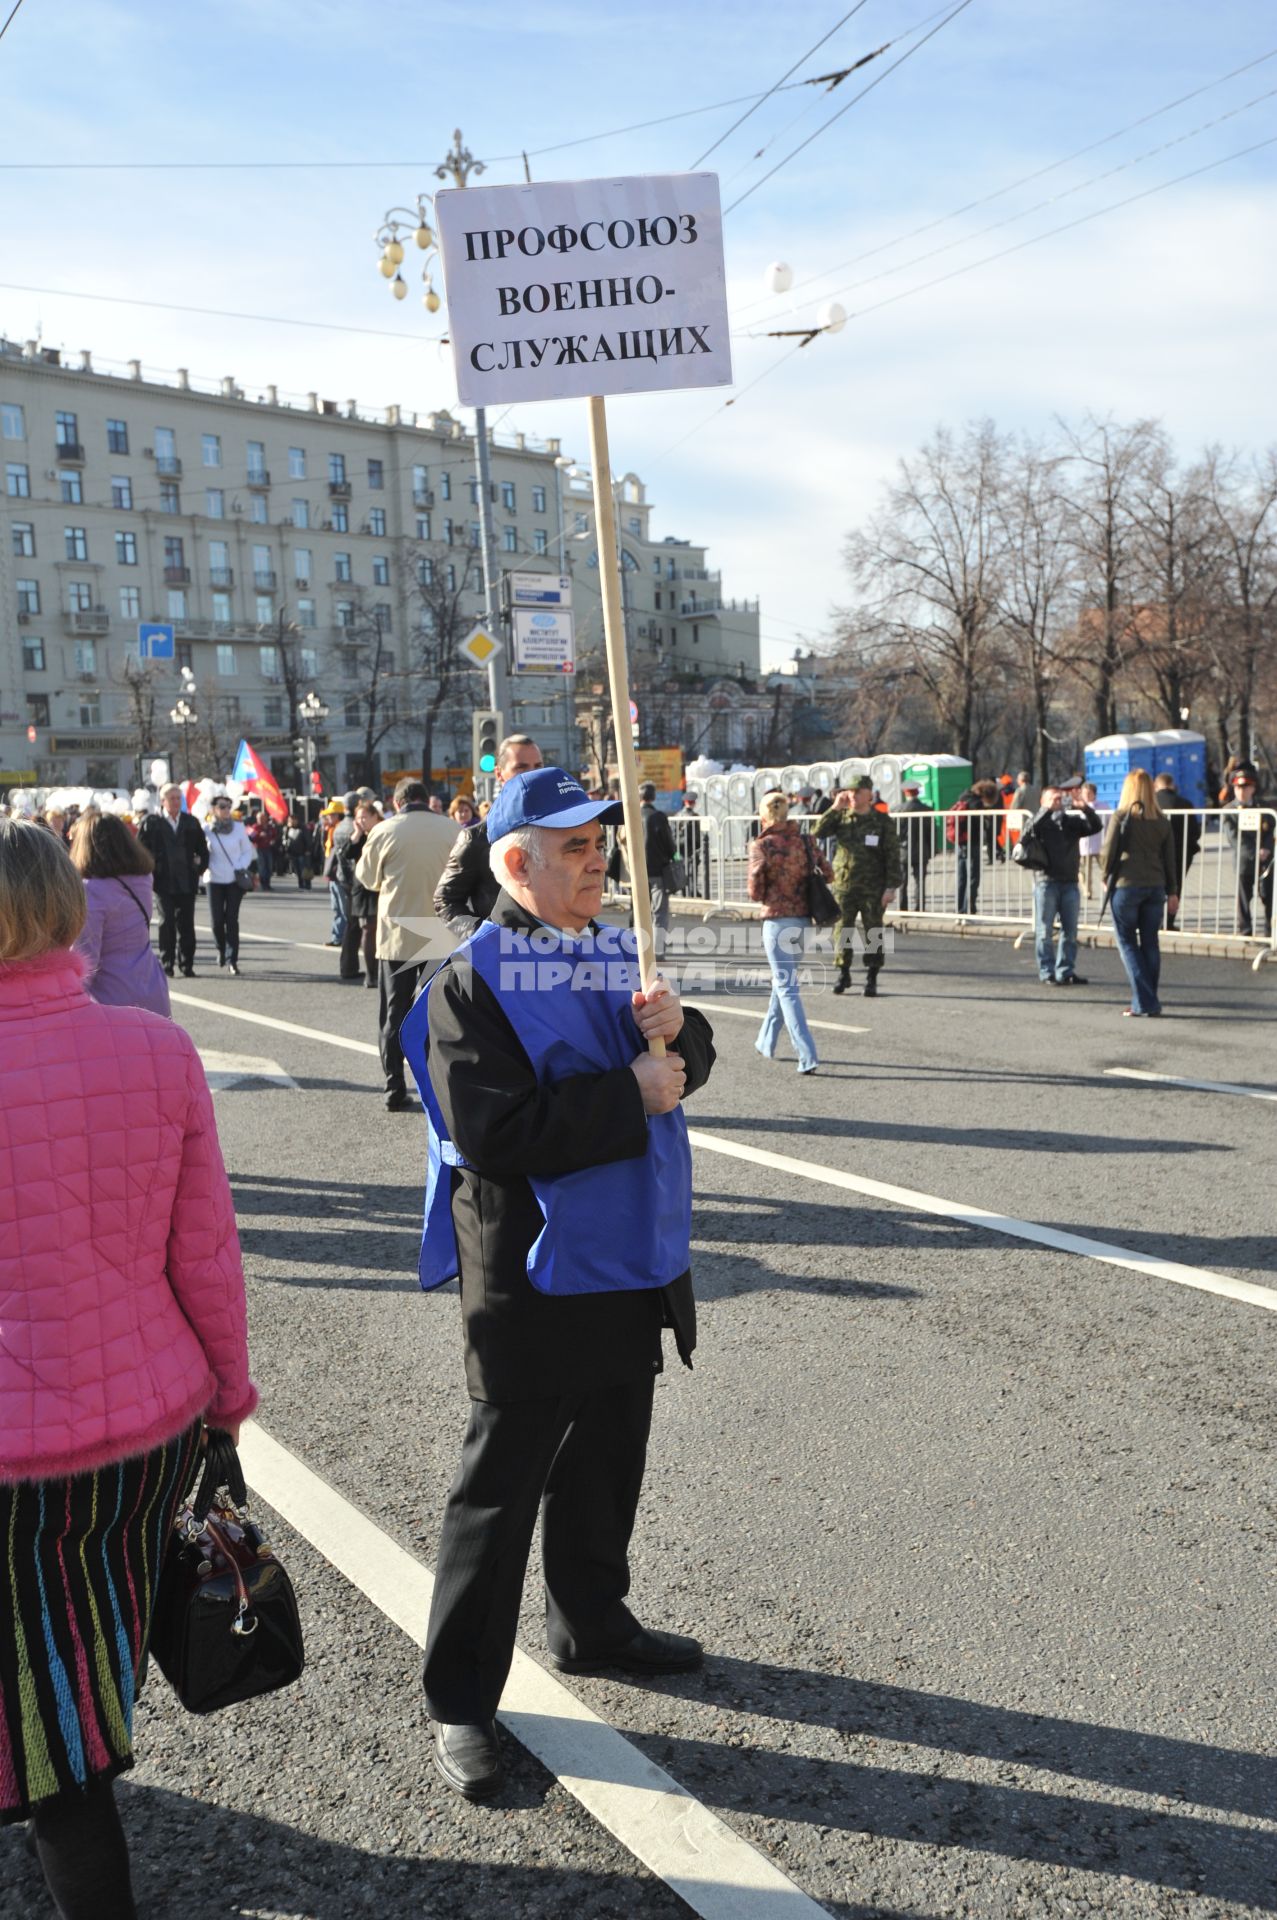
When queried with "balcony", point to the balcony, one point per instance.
{"points": [[194, 629], [70, 453], [168, 463], [301, 583], [339, 489], [221, 576], [87, 619], [177, 576], [257, 477], [422, 497], [264, 582]]}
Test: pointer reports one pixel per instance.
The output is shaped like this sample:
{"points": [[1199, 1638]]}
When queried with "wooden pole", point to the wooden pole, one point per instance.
{"points": [[619, 684]]}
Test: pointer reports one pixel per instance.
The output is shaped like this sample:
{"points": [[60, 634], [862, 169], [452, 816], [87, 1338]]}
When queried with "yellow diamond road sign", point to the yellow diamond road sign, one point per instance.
{"points": [[479, 646]]}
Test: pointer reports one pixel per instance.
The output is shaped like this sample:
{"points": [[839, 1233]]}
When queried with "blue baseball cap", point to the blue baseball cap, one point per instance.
{"points": [[547, 797]]}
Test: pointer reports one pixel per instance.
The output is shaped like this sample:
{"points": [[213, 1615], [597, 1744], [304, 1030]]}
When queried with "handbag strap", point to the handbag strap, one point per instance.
{"points": [[220, 1467], [133, 897]]}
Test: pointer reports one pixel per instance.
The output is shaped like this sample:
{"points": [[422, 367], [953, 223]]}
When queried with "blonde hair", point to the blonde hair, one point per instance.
{"points": [[772, 809], [42, 903], [1137, 794]]}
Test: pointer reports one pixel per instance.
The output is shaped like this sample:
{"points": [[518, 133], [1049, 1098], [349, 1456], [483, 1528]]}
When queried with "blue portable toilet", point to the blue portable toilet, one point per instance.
{"points": [[1183, 754], [1108, 761]]}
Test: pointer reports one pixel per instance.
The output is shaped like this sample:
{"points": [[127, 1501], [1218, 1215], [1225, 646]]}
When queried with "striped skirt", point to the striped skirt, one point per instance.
{"points": [[82, 1556]]}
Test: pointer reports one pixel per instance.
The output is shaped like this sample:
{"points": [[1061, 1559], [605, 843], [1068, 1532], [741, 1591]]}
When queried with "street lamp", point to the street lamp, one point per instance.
{"points": [[312, 712], [183, 715]]}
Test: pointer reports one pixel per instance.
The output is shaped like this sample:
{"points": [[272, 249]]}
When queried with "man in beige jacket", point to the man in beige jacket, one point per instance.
{"points": [[402, 864]]}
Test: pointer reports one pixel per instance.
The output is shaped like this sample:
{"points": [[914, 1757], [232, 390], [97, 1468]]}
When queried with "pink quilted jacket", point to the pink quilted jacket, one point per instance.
{"points": [[122, 1312]]}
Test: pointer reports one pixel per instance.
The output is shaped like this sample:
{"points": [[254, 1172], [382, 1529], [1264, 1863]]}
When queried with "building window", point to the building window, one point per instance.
{"points": [[377, 522], [306, 613], [228, 709], [476, 533], [126, 549], [219, 561], [341, 517], [420, 480], [185, 655], [448, 531], [257, 509], [507, 495], [17, 480], [265, 609], [376, 475], [28, 596], [445, 486], [301, 514], [71, 489], [580, 523], [174, 552], [222, 615], [538, 499], [381, 570], [450, 577], [696, 635], [670, 570], [177, 603], [345, 613], [12, 424], [32, 654], [77, 543], [636, 525], [268, 662], [423, 526], [540, 541], [121, 492], [272, 711], [117, 436], [130, 603], [301, 565], [166, 450], [255, 460], [170, 498], [336, 469], [351, 710], [383, 615], [211, 449], [90, 709], [66, 429], [308, 663], [24, 539], [214, 503], [425, 572], [341, 567], [84, 655], [38, 709], [473, 485], [509, 539], [225, 661], [297, 463]]}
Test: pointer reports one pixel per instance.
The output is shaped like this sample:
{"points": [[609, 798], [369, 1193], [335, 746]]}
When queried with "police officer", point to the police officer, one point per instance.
{"points": [[866, 875]]}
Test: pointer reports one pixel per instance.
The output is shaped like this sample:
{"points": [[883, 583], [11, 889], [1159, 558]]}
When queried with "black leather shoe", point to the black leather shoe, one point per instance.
{"points": [[188, 973], [871, 987], [170, 971], [469, 1758], [1074, 980], [842, 983], [398, 1100], [648, 1652], [232, 966]]}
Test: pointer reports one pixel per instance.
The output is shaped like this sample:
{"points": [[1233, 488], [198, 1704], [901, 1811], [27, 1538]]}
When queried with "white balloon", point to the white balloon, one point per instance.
{"points": [[832, 318], [779, 277]]}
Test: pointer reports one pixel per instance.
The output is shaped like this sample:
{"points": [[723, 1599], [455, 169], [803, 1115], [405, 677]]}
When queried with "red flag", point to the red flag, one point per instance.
{"points": [[190, 794], [252, 772], [316, 784]]}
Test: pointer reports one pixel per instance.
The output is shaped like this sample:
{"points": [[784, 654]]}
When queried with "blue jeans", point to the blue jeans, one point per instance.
{"points": [[1054, 899], [337, 894], [1137, 916], [783, 945]]}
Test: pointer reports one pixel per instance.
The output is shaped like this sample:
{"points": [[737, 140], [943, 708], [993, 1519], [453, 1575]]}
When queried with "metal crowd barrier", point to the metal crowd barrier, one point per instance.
{"points": [[970, 879]]}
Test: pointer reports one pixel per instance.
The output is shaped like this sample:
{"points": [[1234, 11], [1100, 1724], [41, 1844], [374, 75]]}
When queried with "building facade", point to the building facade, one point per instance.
{"points": [[296, 547]]}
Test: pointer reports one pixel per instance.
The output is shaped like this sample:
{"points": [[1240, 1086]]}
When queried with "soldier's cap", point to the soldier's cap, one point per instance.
{"points": [[1244, 771], [910, 786], [863, 785], [547, 797]]}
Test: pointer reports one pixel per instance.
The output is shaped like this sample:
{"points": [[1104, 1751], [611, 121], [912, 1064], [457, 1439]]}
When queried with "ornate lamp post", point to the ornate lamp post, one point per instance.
{"points": [[312, 713], [184, 716]]}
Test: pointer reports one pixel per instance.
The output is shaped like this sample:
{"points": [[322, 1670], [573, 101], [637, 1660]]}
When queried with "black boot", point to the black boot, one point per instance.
{"points": [[871, 986], [843, 981]]}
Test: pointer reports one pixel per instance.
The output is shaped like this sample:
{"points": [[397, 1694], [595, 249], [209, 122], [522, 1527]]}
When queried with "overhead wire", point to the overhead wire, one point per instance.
{"points": [[221, 313], [763, 98], [9, 22]]}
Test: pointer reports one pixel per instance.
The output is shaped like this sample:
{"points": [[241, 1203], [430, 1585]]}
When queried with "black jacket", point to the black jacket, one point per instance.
{"points": [[467, 892], [1186, 828], [180, 858], [658, 841], [1060, 836], [521, 1344], [348, 844]]}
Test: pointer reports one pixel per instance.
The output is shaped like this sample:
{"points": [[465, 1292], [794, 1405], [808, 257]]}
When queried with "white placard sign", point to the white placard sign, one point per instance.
{"points": [[544, 640], [571, 288]]}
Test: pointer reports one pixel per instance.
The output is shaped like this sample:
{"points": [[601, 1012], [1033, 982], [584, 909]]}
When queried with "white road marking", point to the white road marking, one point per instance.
{"points": [[223, 1070], [719, 1875], [278, 940], [1202, 1086], [1200, 1278], [755, 1013]]}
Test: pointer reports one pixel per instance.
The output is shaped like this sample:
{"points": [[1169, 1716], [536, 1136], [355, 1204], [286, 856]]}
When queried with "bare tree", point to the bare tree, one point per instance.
{"points": [[1175, 554], [138, 678], [442, 677], [1107, 461], [929, 564], [1035, 579], [1239, 640]]}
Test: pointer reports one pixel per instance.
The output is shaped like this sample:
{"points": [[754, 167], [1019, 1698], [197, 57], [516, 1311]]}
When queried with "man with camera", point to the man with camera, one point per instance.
{"points": [[1053, 842]]}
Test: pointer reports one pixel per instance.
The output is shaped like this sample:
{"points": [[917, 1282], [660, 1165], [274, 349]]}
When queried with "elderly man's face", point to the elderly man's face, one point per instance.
{"points": [[568, 890], [173, 804]]}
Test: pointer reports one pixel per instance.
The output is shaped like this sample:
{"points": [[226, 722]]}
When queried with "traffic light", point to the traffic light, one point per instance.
{"points": [[487, 725]]}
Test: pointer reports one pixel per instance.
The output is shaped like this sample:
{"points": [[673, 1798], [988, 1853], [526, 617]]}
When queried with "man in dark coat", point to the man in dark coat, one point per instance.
{"points": [[1186, 832], [917, 842], [561, 1385], [1252, 848], [467, 892], [175, 841], [1058, 828]]}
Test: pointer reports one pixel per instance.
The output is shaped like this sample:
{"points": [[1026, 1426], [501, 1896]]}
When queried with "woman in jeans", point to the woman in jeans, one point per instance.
{"points": [[780, 864], [1139, 860], [230, 853], [124, 1330]]}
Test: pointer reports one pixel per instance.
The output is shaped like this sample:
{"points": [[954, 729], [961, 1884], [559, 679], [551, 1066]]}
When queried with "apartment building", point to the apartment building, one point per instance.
{"points": [[295, 545]]}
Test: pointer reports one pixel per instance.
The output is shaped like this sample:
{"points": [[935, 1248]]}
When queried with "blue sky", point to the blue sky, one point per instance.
{"points": [[1164, 308]]}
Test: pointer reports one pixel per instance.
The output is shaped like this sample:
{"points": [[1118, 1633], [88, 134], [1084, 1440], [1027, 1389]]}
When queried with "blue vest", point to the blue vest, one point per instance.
{"points": [[607, 1229]]}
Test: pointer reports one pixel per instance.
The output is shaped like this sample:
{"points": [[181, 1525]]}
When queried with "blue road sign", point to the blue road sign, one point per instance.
{"points": [[155, 640]]}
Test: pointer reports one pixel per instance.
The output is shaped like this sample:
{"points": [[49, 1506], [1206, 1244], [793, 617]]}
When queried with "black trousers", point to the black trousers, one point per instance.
{"points": [[580, 1459], [177, 928], [223, 904], [397, 983], [358, 942], [1245, 894]]}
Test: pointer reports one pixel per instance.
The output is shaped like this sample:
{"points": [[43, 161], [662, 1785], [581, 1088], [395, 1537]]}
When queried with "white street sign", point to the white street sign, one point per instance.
{"points": [[544, 640], [479, 646], [540, 589], [585, 287]]}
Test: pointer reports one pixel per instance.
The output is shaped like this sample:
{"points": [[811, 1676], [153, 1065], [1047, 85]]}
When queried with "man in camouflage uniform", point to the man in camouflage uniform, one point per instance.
{"points": [[866, 876]]}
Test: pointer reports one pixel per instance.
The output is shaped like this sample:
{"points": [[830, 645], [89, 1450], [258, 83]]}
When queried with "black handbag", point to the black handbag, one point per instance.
{"points": [[1029, 854], [245, 879], [822, 909], [225, 1626]]}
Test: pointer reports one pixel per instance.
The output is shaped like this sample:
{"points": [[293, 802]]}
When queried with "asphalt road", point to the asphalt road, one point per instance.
{"points": [[979, 1535]]}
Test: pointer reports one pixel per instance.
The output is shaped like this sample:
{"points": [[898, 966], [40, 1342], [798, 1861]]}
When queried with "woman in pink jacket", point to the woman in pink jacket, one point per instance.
{"points": [[122, 1330]]}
